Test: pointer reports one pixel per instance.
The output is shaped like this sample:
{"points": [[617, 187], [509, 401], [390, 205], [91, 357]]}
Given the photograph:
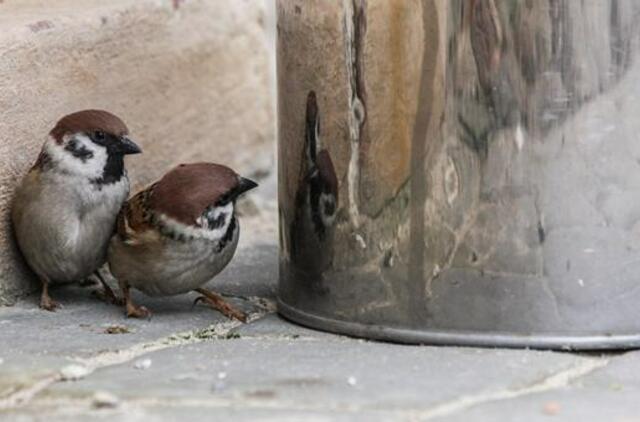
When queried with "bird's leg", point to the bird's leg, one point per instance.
{"points": [[45, 300], [217, 302], [107, 292], [87, 282], [133, 311]]}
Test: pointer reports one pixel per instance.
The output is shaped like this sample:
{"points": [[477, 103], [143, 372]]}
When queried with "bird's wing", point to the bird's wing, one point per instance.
{"points": [[134, 219]]}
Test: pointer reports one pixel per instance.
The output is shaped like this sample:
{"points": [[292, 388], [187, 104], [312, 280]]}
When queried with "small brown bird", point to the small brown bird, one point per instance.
{"points": [[177, 234], [311, 231], [65, 209]]}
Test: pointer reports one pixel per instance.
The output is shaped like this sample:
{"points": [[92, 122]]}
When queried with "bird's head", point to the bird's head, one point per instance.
{"points": [[90, 144], [200, 198]]}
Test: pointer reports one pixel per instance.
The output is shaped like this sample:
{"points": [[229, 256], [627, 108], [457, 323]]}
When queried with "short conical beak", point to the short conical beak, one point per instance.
{"points": [[245, 185], [127, 146]]}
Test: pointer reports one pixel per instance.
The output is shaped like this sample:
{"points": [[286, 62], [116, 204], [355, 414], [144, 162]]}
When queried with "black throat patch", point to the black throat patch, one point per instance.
{"points": [[113, 170]]}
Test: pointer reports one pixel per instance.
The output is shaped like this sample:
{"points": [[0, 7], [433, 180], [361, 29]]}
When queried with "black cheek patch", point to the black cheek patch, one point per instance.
{"points": [[78, 150], [214, 223], [329, 207]]}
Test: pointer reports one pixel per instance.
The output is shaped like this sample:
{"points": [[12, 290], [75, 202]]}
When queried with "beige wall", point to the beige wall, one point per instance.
{"points": [[191, 78]]}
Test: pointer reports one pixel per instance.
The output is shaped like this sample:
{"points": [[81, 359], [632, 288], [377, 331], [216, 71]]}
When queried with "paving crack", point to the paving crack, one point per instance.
{"points": [[558, 380], [22, 396]]}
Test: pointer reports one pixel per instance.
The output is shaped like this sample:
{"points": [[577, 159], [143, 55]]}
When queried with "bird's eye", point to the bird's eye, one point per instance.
{"points": [[98, 135]]}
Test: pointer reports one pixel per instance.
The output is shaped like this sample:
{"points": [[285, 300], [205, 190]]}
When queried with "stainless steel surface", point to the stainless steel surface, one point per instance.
{"points": [[461, 172]]}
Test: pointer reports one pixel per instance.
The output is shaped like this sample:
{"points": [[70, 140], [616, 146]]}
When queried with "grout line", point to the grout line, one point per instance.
{"points": [[110, 358], [24, 395], [558, 380]]}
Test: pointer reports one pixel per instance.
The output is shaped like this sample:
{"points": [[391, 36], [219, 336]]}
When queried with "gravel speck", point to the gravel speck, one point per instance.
{"points": [[142, 364], [116, 329], [74, 372], [104, 399]]}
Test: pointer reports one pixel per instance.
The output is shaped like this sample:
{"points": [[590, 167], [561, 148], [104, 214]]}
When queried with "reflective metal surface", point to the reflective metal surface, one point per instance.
{"points": [[461, 171]]}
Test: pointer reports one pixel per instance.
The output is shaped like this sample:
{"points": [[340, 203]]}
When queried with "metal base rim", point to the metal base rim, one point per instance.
{"points": [[459, 338]]}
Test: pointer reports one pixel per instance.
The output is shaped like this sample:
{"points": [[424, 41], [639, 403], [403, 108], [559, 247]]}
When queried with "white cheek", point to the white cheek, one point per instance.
{"points": [[65, 161], [325, 202], [217, 233], [226, 209], [192, 231]]}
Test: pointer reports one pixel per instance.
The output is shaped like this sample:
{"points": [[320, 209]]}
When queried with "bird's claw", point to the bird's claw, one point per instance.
{"points": [[223, 307], [138, 312], [49, 304], [199, 299]]}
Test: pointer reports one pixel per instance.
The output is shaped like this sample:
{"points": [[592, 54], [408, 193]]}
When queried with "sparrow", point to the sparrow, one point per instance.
{"points": [[316, 202], [64, 211], [320, 187], [177, 234]]}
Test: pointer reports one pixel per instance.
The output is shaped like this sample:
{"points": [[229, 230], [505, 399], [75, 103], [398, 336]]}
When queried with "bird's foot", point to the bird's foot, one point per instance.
{"points": [[108, 295], [134, 311], [217, 302], [49, 304], [46, 302]]}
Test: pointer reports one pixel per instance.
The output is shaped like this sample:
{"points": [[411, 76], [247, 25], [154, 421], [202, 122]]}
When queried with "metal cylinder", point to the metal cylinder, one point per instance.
{"points": [[461, 171]]}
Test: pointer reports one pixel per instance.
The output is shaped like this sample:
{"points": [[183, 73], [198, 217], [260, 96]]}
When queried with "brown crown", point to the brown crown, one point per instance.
{"points": [[89, 121], [187, 190]]}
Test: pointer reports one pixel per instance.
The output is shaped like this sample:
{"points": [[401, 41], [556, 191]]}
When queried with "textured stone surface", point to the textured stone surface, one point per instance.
{"points": [[609, 393], [315, 374], [189, 77], [193, 362]]}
